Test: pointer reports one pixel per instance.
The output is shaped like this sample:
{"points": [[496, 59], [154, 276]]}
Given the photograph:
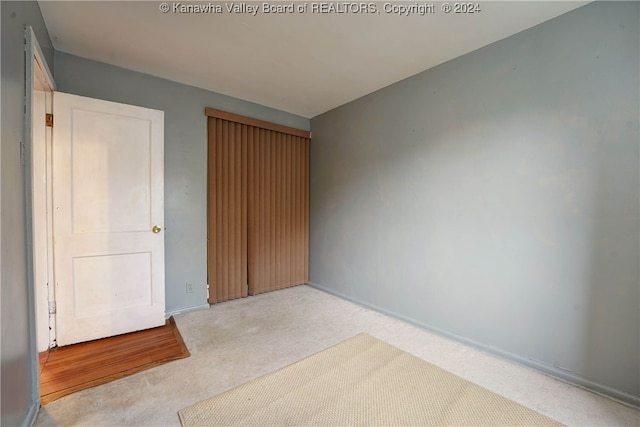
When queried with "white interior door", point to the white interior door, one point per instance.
{"points": [[108, 216]]}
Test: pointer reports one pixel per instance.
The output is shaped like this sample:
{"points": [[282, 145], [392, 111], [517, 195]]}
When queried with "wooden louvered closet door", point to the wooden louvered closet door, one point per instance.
{"points": [[258, 206]]}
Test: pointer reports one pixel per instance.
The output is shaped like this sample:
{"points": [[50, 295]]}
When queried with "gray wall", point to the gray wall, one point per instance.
{"points": [[185, 157], [494, 198], [19, 394]]}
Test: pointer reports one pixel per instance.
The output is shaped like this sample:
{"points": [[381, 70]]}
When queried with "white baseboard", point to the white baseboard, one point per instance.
{"points": [[570, 378], [186, 310], [32, 415]]}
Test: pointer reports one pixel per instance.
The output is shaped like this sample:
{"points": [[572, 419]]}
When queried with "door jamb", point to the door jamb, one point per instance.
{"points": [[37, 72]]}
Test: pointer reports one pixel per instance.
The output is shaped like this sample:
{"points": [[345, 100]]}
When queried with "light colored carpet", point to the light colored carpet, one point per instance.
{"points": [[361, 381], [241, 340]]}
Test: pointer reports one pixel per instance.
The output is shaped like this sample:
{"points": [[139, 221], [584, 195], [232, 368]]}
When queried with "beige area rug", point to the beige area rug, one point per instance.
{"points": [[361, 381]]}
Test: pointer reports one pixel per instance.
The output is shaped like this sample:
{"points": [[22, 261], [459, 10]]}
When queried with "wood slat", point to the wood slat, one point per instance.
{"points": [[68, 369]]}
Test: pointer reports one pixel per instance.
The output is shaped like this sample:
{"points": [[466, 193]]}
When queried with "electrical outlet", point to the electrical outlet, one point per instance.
{"points": [[189, 288]]}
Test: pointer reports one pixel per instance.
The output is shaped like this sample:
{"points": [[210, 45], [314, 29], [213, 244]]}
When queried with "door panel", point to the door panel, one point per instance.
{"points": [[111, 173], [108, 185], [119, 282]]}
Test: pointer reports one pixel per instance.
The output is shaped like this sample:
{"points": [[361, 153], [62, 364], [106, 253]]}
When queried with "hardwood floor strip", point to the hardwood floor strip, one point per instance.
{"points": [[66, 370], [97, 347], [77, 378], [98, 358], [80, 378], [91, 363]]}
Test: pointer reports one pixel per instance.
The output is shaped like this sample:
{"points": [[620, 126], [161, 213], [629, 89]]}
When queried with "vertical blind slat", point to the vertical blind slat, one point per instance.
{"points": [[219, 200], [231, 217], [278, 209], [245, 209], [226, 249], [287, 210], [238, 266], [305, 235], [211, 208]]}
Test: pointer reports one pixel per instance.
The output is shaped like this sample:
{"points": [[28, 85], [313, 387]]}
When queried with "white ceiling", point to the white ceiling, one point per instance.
{"points": [[302, 63]]}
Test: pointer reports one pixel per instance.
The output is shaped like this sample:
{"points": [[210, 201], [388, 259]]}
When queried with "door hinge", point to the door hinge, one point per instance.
{"points": [[52, 307], [49, 120]]}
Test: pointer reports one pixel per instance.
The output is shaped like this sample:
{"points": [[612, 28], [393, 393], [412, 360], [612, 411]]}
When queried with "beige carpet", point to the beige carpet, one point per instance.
{"points": [[361, 381]]}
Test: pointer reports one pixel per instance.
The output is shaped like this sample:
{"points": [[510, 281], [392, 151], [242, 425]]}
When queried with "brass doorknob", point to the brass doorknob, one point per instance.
{"points": [[156, 229]]}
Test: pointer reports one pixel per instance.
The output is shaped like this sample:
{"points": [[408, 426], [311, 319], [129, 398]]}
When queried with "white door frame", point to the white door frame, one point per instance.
{"points": [[37, 72], [37, 159]]}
